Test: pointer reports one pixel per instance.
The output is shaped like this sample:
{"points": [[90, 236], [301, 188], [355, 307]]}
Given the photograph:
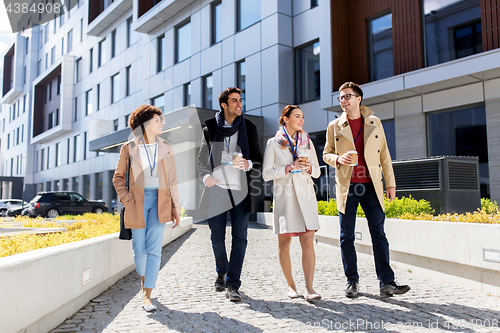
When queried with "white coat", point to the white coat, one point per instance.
{"points": [[294, 205]]}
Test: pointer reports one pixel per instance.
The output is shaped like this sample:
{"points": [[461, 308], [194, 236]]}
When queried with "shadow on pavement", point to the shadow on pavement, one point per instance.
{"points": [[198, 322], [127, 287], [333, 315]]}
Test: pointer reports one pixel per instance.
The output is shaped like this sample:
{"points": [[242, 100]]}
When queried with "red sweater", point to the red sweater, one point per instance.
{"points": [[360, 172]]}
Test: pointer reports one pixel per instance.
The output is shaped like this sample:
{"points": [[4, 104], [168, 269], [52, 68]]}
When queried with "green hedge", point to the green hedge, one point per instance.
{"points": [[393, 209]]}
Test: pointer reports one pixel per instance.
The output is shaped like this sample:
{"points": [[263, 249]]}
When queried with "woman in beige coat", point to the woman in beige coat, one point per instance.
{"points": [[290, 161], [152, 198]]}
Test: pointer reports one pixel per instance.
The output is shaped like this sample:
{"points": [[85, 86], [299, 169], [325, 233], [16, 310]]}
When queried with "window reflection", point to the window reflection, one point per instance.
{"points": [[381, 64]]}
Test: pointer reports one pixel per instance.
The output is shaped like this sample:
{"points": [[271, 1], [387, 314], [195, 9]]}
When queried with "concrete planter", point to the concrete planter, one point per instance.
{"points": [[465, 253], [43, 287]]}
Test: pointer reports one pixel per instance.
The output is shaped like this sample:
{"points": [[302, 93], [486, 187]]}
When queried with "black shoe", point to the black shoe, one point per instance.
{"points": [[233, 294], [220, 283], [352, 289], [391, 288]]}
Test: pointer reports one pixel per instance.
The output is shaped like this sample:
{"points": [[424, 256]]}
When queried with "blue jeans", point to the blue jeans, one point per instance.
{"points": [[147, 242], [239, 226], [365, 195]]}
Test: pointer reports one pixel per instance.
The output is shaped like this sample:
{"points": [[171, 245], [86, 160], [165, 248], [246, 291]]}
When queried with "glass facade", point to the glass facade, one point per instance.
{"points": [[248, 13], [380, 47], [241, 82], [452, 29], [216, 22], [159, 102], [461, 132], [208, 84], [183, 42], [307, 73]]}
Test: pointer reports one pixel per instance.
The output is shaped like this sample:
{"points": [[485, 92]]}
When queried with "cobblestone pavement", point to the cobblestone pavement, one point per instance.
{"points": [[187, 302]]}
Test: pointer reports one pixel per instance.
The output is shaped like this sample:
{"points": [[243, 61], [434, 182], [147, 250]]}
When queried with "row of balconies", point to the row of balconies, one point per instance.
{"points": [[148, 14]]}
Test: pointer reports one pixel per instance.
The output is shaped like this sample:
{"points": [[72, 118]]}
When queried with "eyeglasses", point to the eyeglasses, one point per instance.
{"points": [[346, 97]]}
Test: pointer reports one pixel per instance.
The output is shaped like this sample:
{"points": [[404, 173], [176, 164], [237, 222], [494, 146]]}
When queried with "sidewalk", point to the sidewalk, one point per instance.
{"points": [[187, 302]]}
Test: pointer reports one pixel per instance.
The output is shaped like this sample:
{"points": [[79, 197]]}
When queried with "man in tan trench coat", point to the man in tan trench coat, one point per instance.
{"points": [[358, 179]]}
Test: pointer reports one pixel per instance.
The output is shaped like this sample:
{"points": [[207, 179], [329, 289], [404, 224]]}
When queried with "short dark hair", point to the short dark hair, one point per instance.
{"points": [[355, 87], [224, 95], [287, 111], [142, 114]]}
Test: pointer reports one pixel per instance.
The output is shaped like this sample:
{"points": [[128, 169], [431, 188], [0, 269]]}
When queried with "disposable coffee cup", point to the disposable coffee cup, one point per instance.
{"points": [[303, 158], [354, 155], [236, 156]]}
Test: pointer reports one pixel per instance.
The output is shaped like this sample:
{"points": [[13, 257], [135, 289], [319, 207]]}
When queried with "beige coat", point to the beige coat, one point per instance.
{"points": [[133, 200], [294, 205], [378, 159]]}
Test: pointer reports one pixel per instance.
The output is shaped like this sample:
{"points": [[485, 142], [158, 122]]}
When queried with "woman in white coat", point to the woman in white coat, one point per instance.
{"points": [[290, 160]]}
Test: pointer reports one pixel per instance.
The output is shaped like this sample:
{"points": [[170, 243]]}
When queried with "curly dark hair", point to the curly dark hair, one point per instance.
{"points": [[142, 114], [224, 95]]}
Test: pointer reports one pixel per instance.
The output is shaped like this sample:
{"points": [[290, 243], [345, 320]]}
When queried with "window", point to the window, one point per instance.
{"points": [[113, 43], [58, 154], [61, 17], [86, 186], [241, 81], [51, 120], [390, 136], [59, 82], [98, 187], [115, 88], [84, 145], [68, 145], [314, 3], [75, 117], [70, 41], [62, 46], [8, 141], [56, 188], [158, 101], [52, 55], [91, 59], [183, 41], [42, 159], [78, 69], [187, 94], [160, 53], [24, 75], [57, 117], [77, 149], [461, 132], [26, 45], [101, 53], [22, 133], [130, 33], [115, 124], [49, 186], [48, 157], [208, 85], [75, 184], [39, 68], [307, 73], [248, 13], [128, 81], [18, 132], [46, 30], [88, 102], [380, 47], [81, 30], [126, 119], [98, 106], [65, 183], [452, 29], [216, 21], [46, 60], [50, 90]]}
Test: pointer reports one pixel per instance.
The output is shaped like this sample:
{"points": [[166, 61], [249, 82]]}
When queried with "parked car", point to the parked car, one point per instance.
{"points": [[52, 204], [6, 204], [18, 210]]}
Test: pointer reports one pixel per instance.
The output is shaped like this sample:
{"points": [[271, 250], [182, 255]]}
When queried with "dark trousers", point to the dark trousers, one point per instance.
{"points": [[239, 226], [365, 195]]}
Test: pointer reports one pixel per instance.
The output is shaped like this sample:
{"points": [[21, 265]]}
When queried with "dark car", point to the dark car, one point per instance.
{"points": [[52, 204]]}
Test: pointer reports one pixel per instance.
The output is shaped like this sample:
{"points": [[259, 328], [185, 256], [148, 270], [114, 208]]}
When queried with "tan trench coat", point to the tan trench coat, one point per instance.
{"points": [[294, 201], [168, 196], [339, 140]]}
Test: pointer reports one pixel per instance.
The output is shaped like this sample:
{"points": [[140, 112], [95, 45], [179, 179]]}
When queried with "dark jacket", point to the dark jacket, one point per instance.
{"points": [[204, 166]]}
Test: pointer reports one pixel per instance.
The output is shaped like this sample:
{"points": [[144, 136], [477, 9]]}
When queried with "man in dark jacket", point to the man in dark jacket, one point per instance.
{"points": [[228, 153]]}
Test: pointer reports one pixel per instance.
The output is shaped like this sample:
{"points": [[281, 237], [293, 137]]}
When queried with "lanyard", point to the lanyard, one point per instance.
{"points": [[228, 143], [360, 128], [294, 151], [147, 155]]}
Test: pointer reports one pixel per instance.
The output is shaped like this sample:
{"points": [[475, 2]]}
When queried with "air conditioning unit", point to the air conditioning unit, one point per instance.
{"points": [[449, 183]]}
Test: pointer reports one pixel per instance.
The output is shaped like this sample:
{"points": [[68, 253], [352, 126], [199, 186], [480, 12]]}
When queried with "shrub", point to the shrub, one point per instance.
{"points": [[490, 207]]}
